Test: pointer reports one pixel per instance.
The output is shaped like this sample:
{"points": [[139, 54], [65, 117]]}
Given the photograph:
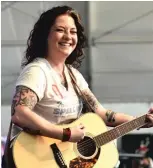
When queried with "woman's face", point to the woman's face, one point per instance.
{"points": [[62, 38]]}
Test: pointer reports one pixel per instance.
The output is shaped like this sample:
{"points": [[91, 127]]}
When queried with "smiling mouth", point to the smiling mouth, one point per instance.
{"points": [[65, 44]]}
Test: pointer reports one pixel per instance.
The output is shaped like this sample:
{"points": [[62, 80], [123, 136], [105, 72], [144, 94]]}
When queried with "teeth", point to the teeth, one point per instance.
{"points": [[65, 44]]}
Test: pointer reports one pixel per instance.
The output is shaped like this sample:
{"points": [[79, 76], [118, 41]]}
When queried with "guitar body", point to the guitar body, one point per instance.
{"points": [[30, 151]]}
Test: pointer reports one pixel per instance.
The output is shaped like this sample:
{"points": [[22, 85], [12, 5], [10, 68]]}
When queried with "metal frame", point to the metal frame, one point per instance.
{"points": [[7, 5], [108, 32]]}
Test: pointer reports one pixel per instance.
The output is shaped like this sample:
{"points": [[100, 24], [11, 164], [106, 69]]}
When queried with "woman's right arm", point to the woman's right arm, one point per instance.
{"points": [[23, 103]]}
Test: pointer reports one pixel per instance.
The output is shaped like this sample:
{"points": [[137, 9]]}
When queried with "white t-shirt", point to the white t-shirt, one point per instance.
{"points": [[56, 104]]}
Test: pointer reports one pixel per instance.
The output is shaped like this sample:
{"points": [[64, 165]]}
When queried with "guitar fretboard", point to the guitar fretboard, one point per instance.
{"points": [[119, 131]]}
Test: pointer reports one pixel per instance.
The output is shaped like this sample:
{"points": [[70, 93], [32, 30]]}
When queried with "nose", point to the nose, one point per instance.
{"points": [[67, 35]]}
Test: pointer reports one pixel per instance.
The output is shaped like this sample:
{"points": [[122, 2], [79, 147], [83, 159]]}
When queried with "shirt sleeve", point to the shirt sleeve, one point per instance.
{"points": [[82, 83], [34, 78]]}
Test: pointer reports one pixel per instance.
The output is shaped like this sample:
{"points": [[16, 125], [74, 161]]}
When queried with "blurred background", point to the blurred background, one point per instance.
{"points": [[118, 64]]}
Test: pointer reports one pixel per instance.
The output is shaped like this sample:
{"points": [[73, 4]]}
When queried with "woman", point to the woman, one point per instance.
{"points": [[44, 93]]}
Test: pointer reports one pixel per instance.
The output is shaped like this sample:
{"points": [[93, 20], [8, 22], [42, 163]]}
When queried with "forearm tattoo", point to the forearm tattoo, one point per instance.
{"points": [[23, 96], [91, 99], [110, 115]]}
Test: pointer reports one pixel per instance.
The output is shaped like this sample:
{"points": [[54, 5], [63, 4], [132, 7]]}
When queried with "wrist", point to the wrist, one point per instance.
{"points": [[66, 134]]}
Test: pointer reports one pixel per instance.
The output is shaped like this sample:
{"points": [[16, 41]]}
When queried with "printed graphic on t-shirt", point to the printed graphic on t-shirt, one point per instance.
{"points": [[56, 91], [62, 111]]}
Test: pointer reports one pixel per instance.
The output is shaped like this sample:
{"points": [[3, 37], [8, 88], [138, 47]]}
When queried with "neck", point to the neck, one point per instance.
{"points": [[57, 64]]}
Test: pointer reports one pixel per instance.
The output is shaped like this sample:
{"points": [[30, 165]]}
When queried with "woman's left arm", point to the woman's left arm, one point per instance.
{"points": [[110, 117]]}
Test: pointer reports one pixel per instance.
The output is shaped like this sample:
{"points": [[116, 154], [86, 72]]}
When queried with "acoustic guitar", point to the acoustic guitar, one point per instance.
{"points": [[96, 150]]}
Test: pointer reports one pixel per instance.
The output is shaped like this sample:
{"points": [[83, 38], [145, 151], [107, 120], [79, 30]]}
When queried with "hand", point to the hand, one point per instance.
{"points": [[77, 133], [149, 118]]}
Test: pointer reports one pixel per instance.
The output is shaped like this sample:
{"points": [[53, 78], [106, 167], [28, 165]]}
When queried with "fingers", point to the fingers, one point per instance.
{"points": [[150, 110], [150, 120], [81, 126], [150, 117]]}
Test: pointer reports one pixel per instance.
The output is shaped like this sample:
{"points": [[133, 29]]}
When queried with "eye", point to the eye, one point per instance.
{"points": [[73, 32], [59, 30]]}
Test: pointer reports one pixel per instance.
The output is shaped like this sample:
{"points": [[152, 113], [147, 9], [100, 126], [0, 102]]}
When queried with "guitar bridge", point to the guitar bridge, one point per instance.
{"points": [[58, 156]]}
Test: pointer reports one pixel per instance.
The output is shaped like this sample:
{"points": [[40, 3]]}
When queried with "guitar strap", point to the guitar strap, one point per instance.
{"points": [[6, 150], [78, 90]]}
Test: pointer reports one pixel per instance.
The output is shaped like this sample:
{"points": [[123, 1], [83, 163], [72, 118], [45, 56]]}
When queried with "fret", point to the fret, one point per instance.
{"points": [[137, 123], [110, 136], [97, 140], [122, 129], [106, 137], [114, 133], [130, 126], [125, 129], [101, 139], [119, 130]]}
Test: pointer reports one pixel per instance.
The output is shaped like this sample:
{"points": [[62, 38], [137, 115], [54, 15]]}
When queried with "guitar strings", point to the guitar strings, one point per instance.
{"points": [[86, 144], [85, 148], [89, 140]]}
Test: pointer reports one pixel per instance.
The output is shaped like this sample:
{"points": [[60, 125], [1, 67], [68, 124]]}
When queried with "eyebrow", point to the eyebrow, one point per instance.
{"points": [[64, 27]]}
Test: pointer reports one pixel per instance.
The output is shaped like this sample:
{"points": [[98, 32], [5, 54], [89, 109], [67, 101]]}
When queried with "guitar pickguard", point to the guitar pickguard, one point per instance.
{"points": [[84, 163]]}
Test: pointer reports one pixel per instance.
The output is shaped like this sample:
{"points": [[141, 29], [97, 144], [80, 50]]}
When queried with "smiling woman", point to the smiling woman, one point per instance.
{"points": [[46, 97], [62, 24]]}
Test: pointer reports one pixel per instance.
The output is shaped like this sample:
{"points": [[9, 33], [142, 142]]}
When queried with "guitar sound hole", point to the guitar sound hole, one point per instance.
{"points": [[86, 147]]}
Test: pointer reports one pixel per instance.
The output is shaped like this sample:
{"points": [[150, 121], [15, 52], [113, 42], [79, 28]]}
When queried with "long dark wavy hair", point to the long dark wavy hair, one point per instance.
{"points": [[37, 45]]}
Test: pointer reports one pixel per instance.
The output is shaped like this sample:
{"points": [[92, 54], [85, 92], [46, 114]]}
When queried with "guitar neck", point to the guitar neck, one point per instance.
{"points": [[120, 130]]}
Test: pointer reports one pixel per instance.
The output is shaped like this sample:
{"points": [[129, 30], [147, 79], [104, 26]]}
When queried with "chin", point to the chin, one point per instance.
{"points": [[66, 53]]}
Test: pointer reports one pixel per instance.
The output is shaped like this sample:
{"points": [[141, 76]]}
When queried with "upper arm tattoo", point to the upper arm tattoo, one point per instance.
{"points": [[24, 96], [110, 115], [91, 99]]}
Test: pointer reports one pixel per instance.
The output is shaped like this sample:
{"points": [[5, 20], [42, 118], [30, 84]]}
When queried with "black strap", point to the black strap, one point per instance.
{"points": [[77, 88], [7, 145]]}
